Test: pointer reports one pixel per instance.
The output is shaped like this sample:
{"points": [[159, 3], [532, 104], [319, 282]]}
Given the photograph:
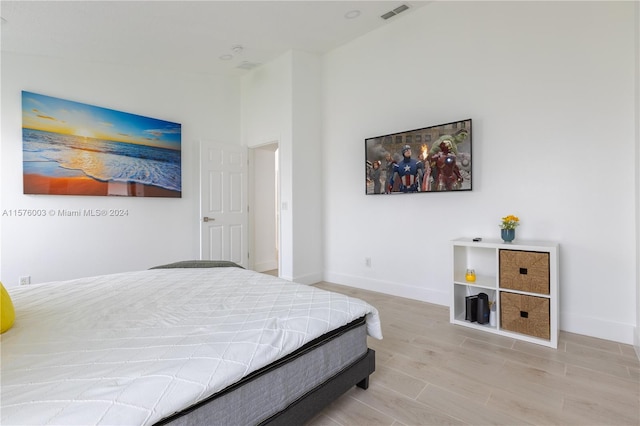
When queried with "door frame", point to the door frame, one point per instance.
{"points": [[254, 211]]}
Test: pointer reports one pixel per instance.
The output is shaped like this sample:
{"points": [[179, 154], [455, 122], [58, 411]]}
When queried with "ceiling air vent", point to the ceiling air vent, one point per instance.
{"points": [[394, 12]]}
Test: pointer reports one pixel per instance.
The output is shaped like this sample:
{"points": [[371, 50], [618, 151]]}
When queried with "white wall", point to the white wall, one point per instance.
{"points": [[281, 102], [308, 230], [157, 230], [549, 87], [266, 118]]}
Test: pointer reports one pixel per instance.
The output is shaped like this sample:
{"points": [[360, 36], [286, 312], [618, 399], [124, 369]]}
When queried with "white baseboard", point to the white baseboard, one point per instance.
{"points": [[308, 279], [594, 327], [597, 327], [395, 289], [265, 266]]}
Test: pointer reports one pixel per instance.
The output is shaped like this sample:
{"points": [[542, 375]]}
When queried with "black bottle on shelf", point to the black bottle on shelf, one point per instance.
{"points": [[483, 308], [471, 311]]}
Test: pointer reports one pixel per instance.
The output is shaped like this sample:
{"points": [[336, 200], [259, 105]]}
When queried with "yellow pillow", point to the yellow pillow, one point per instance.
{"points": [[7, 313]]}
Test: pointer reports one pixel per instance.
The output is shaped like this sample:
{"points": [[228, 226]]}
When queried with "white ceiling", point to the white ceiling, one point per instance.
{"points": [[188, 36]]}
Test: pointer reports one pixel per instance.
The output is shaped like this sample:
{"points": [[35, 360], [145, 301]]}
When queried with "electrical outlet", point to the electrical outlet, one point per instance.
{"points": [[26, 280], [367, 262]]}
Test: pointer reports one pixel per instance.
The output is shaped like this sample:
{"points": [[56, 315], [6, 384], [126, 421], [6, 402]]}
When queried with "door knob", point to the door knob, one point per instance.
{"points": [[209, 219]]}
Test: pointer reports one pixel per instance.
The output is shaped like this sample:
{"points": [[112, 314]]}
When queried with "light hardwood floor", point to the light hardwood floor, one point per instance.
{"points": [[430, 372]]}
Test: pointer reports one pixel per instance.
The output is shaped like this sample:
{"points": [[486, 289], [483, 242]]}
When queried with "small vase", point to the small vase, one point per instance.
{"points": [[507, 235], [470, 275]]}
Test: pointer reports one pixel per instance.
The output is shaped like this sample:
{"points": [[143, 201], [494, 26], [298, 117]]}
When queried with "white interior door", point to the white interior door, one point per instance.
{"points": [[223, 203]]}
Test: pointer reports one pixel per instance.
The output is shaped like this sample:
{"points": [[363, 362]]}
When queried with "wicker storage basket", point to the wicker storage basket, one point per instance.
{"points": [[525, 271], [525, 314]]}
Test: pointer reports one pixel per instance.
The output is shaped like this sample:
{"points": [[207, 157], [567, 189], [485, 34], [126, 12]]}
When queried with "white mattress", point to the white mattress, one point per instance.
{"points": [[133, 348]]}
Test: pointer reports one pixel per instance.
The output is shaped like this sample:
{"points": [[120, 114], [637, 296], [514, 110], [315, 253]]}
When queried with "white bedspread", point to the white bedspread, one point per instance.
{"points": [[133, 348]]}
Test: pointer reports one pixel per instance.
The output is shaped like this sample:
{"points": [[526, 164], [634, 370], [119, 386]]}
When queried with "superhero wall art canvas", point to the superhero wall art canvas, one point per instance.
{"points": [[430, 159]]}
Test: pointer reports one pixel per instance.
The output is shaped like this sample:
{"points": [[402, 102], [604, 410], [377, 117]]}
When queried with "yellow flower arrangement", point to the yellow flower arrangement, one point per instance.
{"points": [[510, 222]]}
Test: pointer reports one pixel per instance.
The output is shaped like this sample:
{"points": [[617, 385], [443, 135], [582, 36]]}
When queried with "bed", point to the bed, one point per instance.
{"points": [[189, 343]]}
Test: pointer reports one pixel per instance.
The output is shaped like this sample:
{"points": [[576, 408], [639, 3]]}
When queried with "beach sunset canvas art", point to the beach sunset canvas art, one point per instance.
{"points": [[71, 148]]}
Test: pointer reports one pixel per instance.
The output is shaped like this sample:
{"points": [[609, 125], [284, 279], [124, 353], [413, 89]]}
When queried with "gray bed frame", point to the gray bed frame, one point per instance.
{"points": [[315, 401], [293, 390]]}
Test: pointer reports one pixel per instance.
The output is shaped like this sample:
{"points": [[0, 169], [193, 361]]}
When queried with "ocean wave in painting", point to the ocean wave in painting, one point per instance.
{"points": [[106, 161]]}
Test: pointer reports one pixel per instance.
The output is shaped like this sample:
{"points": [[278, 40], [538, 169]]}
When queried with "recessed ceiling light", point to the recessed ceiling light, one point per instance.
{"points": [[226, 57], [352, 14], [237, 49]]}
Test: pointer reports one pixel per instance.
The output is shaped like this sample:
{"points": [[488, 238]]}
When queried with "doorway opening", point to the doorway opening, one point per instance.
{"points": [[264, 215]]}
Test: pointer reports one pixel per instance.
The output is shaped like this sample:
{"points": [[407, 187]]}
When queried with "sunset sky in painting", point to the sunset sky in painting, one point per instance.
{"points": [[56, 115]]}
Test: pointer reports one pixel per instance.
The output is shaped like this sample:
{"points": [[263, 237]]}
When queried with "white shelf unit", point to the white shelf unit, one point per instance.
{"points": [[484, 257]]}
